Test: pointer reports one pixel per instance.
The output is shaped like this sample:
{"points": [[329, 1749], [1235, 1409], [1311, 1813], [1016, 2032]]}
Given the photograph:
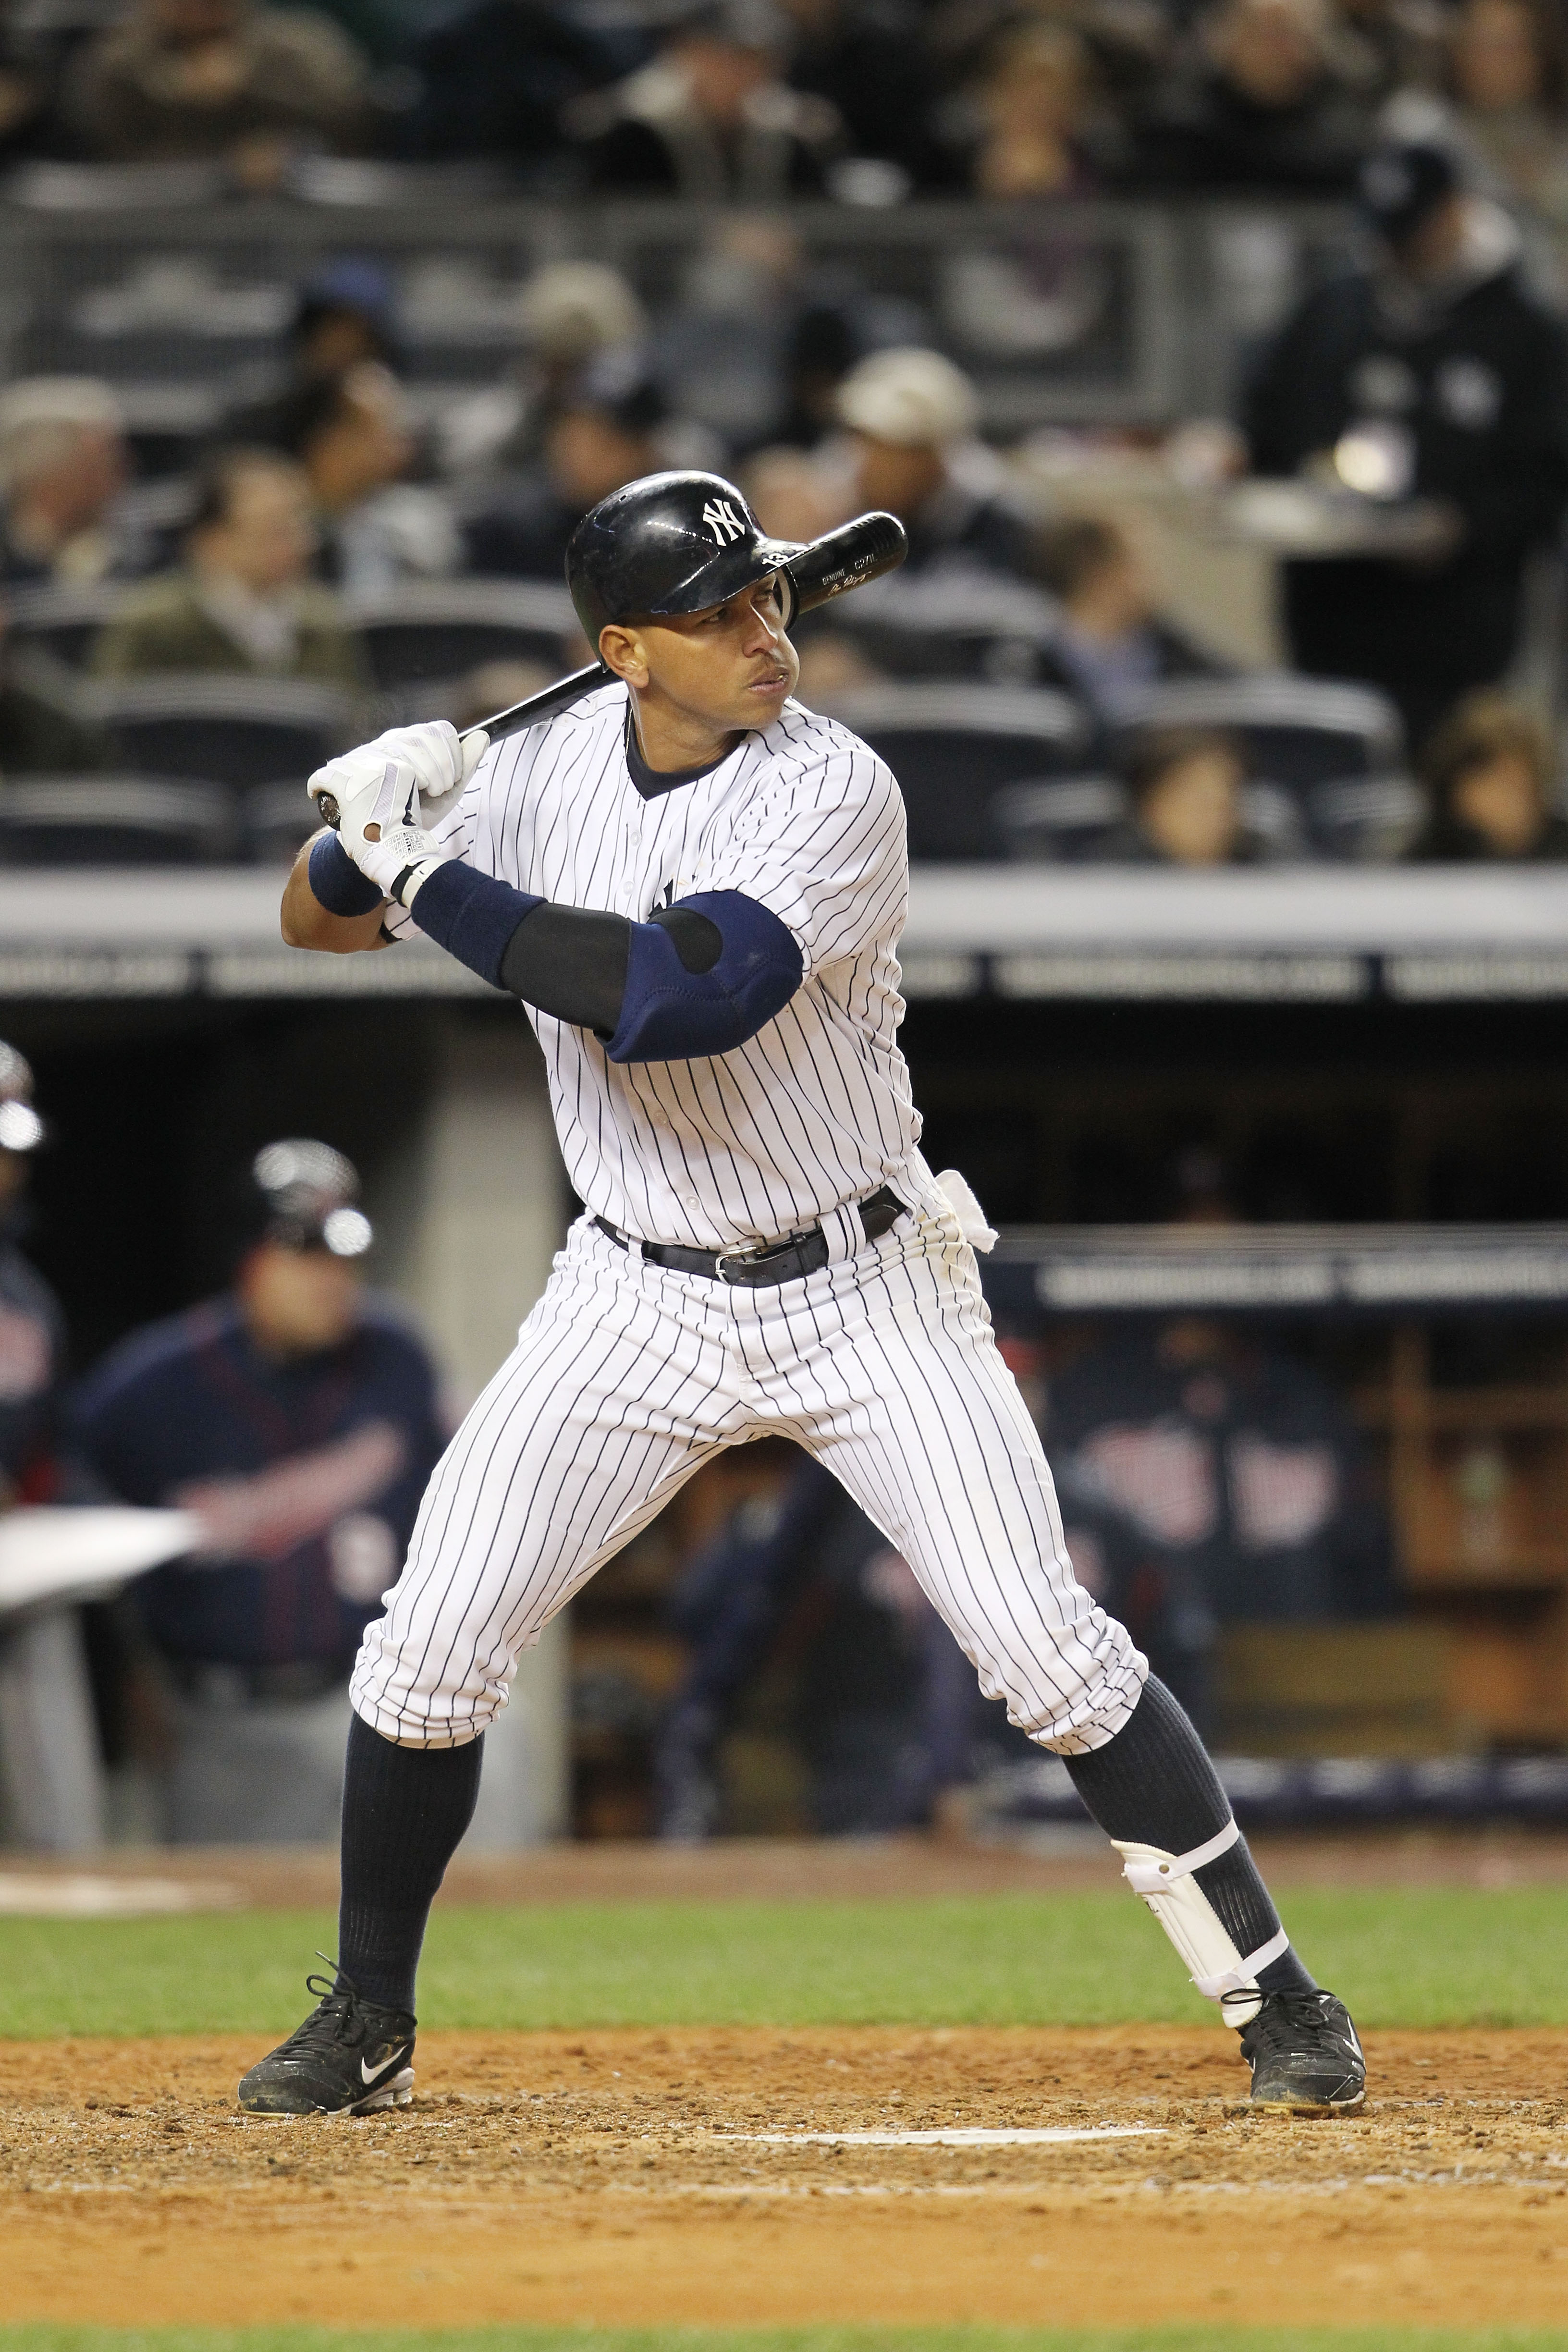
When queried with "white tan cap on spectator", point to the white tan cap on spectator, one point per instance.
{"points": [[570, 310], [915, 399], [41, 414]]}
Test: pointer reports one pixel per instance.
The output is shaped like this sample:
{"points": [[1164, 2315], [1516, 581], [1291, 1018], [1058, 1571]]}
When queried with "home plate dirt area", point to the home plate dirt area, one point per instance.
{"points": [[698, 2175]]}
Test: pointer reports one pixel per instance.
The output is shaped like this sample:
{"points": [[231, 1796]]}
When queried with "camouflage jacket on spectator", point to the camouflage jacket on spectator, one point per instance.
{"points": [[167, 626]]}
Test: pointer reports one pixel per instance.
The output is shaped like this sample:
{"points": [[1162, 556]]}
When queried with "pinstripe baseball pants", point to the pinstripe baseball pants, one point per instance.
{"points": [[627, 1377]]}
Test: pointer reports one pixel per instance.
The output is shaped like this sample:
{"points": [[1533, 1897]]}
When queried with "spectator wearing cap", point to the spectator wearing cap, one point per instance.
{"points": [[183, 80], [352, 435], [1489, 776], [244, 600], [297, 1417], [1111, 644], [712, 118], [1259, 105], [912, 417], [50, 1780], [1433, 373], [603, 433], [63, 466]]}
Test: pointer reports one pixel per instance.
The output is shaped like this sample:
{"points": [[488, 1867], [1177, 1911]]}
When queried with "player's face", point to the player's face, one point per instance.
{"points": [[298, 1302], [729, 668]]}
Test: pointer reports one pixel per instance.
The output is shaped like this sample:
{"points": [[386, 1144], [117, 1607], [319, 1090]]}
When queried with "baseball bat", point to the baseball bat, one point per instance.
{"points": [[827, 567]]}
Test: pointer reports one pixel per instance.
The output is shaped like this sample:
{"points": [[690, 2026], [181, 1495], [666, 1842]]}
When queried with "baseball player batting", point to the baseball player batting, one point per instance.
{"points": [[696, 888]]}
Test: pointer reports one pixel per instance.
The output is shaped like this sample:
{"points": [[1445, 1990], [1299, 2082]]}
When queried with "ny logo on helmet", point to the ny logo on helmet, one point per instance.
{"points": [[723, 521]]}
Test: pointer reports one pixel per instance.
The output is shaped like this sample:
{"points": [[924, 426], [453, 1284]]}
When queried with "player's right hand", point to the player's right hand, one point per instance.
{"points": [[376, 790]]}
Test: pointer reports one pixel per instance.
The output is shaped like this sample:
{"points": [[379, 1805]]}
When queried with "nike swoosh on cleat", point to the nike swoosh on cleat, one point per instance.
{"points": [[375, 2073]]}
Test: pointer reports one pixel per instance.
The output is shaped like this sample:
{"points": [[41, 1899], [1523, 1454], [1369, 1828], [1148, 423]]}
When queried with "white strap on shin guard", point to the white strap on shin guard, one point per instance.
{"points": [[1166, 1883]]}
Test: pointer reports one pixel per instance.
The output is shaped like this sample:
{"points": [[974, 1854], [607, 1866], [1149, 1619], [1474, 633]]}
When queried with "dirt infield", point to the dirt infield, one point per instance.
{"points": [[615, 2176]]}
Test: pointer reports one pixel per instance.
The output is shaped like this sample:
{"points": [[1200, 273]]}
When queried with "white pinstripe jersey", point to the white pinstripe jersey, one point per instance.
{"points": [[815, 1108]]}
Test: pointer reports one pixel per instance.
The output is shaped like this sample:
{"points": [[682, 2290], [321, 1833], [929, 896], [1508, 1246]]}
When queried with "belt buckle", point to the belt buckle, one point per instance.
{"points": [[734, 1257]]}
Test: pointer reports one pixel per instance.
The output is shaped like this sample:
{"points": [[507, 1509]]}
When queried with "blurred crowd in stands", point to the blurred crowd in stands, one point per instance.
{"points": [[862, 100], [1427, 381], [1425, 384]]}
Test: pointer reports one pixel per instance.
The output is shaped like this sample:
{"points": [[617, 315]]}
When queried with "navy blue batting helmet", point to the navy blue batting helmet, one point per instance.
{"points": [[669, 543]]}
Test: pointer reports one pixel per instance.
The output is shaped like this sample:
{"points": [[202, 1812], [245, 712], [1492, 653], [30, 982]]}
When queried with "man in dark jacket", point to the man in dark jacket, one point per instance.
{"points": [[298, 1420], [1439, 361], [1259, 106]]}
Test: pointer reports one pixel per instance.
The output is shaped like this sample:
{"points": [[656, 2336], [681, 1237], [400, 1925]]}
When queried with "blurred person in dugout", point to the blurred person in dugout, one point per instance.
{"points": [[63, 464], [885, 1705], [197, 81], [912, 421], [50, 1778], [1241, 1469], [375, 527], [1433, 373], [243, 600], [1492, 782], [297, 1416]]}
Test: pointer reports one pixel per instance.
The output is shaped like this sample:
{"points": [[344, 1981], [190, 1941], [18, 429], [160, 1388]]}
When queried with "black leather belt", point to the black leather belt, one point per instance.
{"points": [[790, 1260]]}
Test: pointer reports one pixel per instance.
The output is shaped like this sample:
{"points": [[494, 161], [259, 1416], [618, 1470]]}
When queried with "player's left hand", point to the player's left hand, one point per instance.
{"points": [[377, 789]]}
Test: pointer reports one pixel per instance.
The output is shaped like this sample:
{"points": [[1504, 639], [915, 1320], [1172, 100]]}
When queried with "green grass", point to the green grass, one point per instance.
{"points": [[1402, 1957], [1206, 2337]]}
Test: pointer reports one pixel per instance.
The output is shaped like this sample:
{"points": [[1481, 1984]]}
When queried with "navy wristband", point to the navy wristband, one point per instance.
{"points": [[336, 882]]}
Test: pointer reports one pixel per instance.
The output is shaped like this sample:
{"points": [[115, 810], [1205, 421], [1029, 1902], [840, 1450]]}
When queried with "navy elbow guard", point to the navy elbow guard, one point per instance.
{"points": [[702, 976]]}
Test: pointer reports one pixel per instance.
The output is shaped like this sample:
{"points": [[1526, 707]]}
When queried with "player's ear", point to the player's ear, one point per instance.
{"points": [[621, 650]]}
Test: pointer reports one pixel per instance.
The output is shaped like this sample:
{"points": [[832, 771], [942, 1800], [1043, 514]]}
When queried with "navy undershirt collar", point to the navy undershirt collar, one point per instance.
{"points": [[652, 781]]}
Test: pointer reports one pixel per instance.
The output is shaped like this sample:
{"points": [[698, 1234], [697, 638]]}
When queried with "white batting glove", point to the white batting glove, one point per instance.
{"points": [[377, 790]]}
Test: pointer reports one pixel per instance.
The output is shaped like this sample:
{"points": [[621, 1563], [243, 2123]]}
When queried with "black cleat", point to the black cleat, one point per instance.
{"points": [[1303, 2052], [350, 2055]]}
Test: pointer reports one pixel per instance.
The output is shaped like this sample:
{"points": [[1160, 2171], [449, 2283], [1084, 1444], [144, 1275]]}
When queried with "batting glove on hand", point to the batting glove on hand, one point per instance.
{"points": [[376, 791]]}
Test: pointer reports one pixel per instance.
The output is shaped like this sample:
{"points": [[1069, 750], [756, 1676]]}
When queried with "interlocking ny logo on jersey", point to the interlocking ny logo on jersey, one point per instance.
{"points": [[723, 521]]}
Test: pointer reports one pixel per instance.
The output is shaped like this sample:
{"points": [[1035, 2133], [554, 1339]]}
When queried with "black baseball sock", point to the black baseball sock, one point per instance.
{"points": [[1153, 1785], [405, 1810]]}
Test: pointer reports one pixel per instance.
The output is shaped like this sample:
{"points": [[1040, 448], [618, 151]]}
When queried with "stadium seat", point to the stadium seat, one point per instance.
{"points": [[113, 821], [63, 622], [430, 632], [945, 626], [241, 731], [1065, 820], [1072, 822], [953, 748], [277, 819]]}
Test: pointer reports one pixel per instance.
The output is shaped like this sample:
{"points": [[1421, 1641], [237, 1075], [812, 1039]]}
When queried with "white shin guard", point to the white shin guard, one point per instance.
{"points": [[1166, 1883]]}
